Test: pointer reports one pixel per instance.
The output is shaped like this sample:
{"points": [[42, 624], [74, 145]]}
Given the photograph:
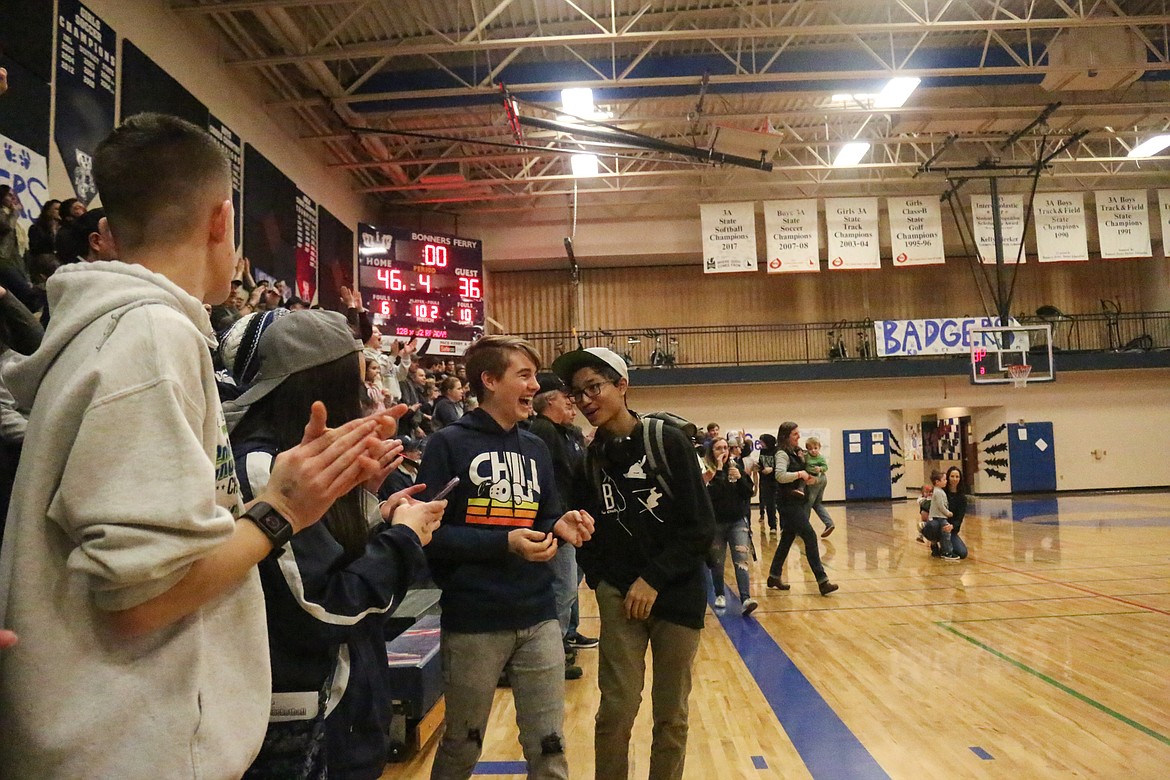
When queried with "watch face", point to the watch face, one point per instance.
{"points": [[272, 523]]}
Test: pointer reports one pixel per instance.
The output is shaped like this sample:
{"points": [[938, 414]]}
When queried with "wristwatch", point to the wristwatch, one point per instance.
{"points": [[272, 523]]}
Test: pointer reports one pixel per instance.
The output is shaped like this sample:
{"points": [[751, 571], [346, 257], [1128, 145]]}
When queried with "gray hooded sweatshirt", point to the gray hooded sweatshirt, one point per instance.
{"points": [[125, 480]]}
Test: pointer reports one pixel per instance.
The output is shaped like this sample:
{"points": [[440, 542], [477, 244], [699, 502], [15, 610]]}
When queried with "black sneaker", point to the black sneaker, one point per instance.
{"points": [[951, 558], [776, 584], [573, 672], [580, 641], [827, 587]]}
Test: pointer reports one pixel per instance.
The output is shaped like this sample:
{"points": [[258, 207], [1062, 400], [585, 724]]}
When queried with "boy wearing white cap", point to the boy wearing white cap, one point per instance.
{"points": [[645, 561]]}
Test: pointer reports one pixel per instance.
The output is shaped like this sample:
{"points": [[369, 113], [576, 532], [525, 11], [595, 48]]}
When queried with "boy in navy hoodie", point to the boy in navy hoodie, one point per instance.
{"points": [[491, 558]]}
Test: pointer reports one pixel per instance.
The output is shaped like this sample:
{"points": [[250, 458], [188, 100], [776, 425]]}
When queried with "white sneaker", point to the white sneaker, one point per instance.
{"points": [[720, 602]]}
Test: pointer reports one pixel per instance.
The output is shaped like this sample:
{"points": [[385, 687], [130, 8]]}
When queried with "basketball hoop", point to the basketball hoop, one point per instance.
{"points": [[1019, 374]]}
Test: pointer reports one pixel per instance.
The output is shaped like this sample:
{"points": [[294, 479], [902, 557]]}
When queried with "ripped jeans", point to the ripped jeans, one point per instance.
{"points": [[534, 658], [734, 535]]}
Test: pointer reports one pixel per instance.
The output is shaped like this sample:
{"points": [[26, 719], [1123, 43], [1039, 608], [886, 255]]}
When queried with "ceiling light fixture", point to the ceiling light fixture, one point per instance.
{"points": [[1150, 146], [851, 154], [896, 92], [584, 165], [577, 101]]}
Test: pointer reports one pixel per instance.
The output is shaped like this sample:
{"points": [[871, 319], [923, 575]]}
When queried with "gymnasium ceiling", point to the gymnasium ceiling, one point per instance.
{"points": [[750, 78]]}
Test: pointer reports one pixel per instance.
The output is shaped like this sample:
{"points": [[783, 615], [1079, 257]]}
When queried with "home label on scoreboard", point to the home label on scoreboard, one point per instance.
{"points": [[427, 286]]}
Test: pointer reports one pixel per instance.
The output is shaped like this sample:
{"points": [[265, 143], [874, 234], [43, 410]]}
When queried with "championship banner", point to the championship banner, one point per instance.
{"points": [[1123, 224], [906, 338], [306, 247], [916, 233], [852, 225], [1164, 209], [233, 147], [86, 74], [793, 238], [27, 173], [1011, 217], [729, 237], [1060, 227]]}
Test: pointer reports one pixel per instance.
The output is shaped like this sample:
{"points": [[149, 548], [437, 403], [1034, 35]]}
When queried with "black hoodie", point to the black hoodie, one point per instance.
{"points": [[506, 482]]}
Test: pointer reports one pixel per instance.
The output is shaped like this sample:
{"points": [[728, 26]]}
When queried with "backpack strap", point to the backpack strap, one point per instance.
{"points": [[655, 448]]}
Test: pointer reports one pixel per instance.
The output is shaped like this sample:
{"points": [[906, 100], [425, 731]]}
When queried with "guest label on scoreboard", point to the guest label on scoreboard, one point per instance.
{"points": [[729, 237]]}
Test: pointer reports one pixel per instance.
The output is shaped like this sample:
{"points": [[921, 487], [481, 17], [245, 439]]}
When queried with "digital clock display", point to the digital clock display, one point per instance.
{"points": [[425, 285]]}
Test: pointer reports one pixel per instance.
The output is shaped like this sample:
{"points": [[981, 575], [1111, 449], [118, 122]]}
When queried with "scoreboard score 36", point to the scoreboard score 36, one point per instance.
{"points": [[422, 285]]}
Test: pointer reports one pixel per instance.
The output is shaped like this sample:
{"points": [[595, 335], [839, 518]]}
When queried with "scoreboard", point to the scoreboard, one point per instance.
{"points": [[427, 286]]}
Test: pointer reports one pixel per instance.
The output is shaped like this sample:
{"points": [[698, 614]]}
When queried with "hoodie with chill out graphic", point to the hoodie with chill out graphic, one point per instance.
{"points": [[506, 482]]}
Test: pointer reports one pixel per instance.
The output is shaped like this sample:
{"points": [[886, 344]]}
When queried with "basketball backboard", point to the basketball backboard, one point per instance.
{"points": [[994, 350]]}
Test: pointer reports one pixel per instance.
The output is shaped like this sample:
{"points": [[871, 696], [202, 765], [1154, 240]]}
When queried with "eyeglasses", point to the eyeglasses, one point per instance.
{"points": [[589, 391]]}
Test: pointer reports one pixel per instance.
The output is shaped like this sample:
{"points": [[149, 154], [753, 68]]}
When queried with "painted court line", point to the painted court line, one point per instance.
{"points": [[501, 768], [1081, 588], [982, 753], [1059, 685], [828, 748]]}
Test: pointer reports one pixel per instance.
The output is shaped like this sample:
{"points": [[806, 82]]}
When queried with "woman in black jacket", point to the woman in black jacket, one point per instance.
{"points": [[730, 491], [794, 509]]}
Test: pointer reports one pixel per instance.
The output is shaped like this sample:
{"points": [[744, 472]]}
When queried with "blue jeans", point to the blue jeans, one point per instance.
{"points": [[564, 566], [944, 536], [815, 493], [472, 663], [736, 535]]}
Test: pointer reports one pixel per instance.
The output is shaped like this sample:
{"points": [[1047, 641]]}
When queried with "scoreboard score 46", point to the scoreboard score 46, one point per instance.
{"points": [[422, 285]]}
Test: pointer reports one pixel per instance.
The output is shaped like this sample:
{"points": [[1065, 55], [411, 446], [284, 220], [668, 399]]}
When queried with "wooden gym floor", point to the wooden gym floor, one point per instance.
{"points": [[1043, 655]]}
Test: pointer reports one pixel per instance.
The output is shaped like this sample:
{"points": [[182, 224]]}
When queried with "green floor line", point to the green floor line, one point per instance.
{"points": [[1040, 617], [1061, 686]]}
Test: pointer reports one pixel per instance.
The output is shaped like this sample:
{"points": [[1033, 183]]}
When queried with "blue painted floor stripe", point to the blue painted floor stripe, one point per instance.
{"points": [[828, 748], [759, 763], [982, 754], [501, 768]]}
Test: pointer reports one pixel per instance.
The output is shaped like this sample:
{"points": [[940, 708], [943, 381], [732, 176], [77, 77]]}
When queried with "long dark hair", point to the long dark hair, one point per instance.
{"points": [[782, 433], [958, 487], [281, 417]]}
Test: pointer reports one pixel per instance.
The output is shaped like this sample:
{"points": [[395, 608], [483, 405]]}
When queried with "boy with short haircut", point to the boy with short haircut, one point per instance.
{"points": [[133, 587], [490, 557], [817, 465], [939, 514], [645, 562]]}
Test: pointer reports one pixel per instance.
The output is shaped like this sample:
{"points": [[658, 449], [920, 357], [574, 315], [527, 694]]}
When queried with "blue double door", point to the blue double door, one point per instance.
{"points": [[867, 463]]}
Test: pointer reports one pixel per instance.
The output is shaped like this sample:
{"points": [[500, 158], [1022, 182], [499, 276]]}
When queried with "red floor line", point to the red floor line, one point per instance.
{"points": [[1080, 588]]}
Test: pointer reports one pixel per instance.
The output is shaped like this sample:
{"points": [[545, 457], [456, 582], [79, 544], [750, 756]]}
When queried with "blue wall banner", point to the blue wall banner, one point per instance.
{"points": [[86, 73], [904, 338]]}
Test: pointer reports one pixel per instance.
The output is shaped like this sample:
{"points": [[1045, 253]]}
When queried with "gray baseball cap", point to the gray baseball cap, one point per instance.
{"points": [[294, 342]]}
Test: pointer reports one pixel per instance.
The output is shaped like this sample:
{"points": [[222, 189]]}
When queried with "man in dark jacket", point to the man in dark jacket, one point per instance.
{"points": [[553, 423], [490, 557], [645, 562]]}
